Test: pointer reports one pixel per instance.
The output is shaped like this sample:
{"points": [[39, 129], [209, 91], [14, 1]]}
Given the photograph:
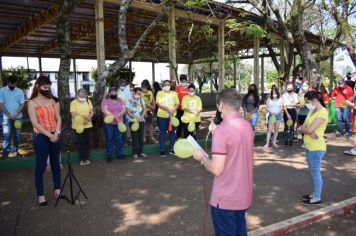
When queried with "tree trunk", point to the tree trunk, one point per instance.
{"points": [[64, 42]]}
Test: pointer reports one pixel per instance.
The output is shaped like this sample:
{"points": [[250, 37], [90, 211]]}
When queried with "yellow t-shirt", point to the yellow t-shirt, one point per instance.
{"points": [[168, 99], [83, 109], [192, 103], [316, 144], [148, 98]]}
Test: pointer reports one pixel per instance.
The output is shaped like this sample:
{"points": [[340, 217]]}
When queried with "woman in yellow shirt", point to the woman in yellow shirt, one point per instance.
{"points": [[147, 96], [81, 106], [192, 107], [168, 103], [315, 146]]}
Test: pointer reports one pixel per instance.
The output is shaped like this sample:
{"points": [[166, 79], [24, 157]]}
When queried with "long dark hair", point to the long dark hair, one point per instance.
{"points": [[274, 89], [254, 93], [310, 95], [146, 84], [156, 88], [42, 80]]}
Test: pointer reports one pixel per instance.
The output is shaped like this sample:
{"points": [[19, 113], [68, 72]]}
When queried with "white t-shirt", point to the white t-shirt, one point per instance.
{"points": [[290, 99], [274, 106]]}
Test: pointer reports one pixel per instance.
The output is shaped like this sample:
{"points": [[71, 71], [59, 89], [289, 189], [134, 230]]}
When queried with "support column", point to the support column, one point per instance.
{"points": [[1, 82], [234, 73], [153, 73], [75, 77], [172, 44], [256, 67], [100, 44], [40, 64], [221, 54], [262, 75], [331, 73]]}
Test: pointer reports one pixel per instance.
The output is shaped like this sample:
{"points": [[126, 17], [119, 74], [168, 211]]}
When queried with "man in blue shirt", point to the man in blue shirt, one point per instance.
{"points": [[12, 102]]}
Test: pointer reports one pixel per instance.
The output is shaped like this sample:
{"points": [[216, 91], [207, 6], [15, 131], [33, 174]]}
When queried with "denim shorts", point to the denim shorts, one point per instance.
{"points": [[278, 117]]}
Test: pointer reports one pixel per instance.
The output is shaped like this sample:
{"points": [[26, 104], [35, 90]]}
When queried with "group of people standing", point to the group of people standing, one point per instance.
{"points": [[125, 106]]}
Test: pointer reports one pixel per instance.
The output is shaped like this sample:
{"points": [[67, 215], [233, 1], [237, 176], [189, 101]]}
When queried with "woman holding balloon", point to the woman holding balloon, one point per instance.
{"points": [[81, 110], [113, 109], [274, 108], [136, 111], [192, 106], [168, 103]]}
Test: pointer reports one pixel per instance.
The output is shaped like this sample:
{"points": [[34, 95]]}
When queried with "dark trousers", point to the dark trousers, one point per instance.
{"points": [[187, 133], [229, 222], [113, 140], [43, 148], [289, 131], [83, 142], [163, 127], [137, 138], [180, 127]]}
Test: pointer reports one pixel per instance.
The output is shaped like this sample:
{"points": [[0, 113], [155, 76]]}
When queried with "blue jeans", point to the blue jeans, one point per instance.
{"points": [[9, 129], [229, 222], [163, 127], [314, 162], [254, 119], [343, 114], [113, 140], [43, 148]]}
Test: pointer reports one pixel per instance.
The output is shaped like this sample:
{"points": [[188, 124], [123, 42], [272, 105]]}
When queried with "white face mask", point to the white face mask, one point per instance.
{"points": [[274, 95], [167, 88], [305, 88], [185, 84], [191, 93], [82, 99], [137, 96], [310, 106]]}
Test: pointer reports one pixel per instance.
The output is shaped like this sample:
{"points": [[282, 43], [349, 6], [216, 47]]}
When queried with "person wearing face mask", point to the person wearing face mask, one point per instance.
{"points": [[341, 94], [290, 101], [45, 117], [113, 105], [168, 104], [231, 163], [82, 106], [314, 142], [150, 104], [302, 109], [136, 109], [12, 102], [124, 93], [182, 91], [274, 108], [192, 106], [251, 104]]}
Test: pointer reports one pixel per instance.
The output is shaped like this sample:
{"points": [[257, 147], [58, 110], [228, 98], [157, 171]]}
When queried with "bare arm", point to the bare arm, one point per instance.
{"points": [[215, 165], [309, 130]]}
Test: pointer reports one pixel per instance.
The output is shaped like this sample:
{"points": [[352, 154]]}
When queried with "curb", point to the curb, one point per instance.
{"points": [[283, 227]]}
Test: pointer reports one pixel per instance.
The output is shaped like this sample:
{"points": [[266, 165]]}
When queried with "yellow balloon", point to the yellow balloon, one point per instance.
{"points": [[289, 122], [272, 119], [135, 126], [183, 149], [108, 119], [79, 129], [17, 124], [301, 101], [122, 127], [191, 127], [185, 119], [175, 121]]}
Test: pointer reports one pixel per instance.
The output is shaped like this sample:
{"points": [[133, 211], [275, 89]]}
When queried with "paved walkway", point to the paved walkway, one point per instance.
{"points": [[157, 196]]}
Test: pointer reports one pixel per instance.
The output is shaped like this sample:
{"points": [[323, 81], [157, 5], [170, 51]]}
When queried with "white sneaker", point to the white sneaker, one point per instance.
{"points": [[350, 152], [135, 156], [143, 155]]}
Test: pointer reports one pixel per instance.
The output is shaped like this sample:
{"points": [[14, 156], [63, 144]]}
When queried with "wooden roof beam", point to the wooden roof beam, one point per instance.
{"points": [[33, 23], [179, 13]]}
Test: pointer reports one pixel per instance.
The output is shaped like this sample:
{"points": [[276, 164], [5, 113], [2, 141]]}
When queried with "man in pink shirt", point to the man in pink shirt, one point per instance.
{"points": [[231, 163]]}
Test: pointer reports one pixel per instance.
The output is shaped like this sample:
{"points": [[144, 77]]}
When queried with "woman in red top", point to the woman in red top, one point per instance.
{"points": [[46, 122]]}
